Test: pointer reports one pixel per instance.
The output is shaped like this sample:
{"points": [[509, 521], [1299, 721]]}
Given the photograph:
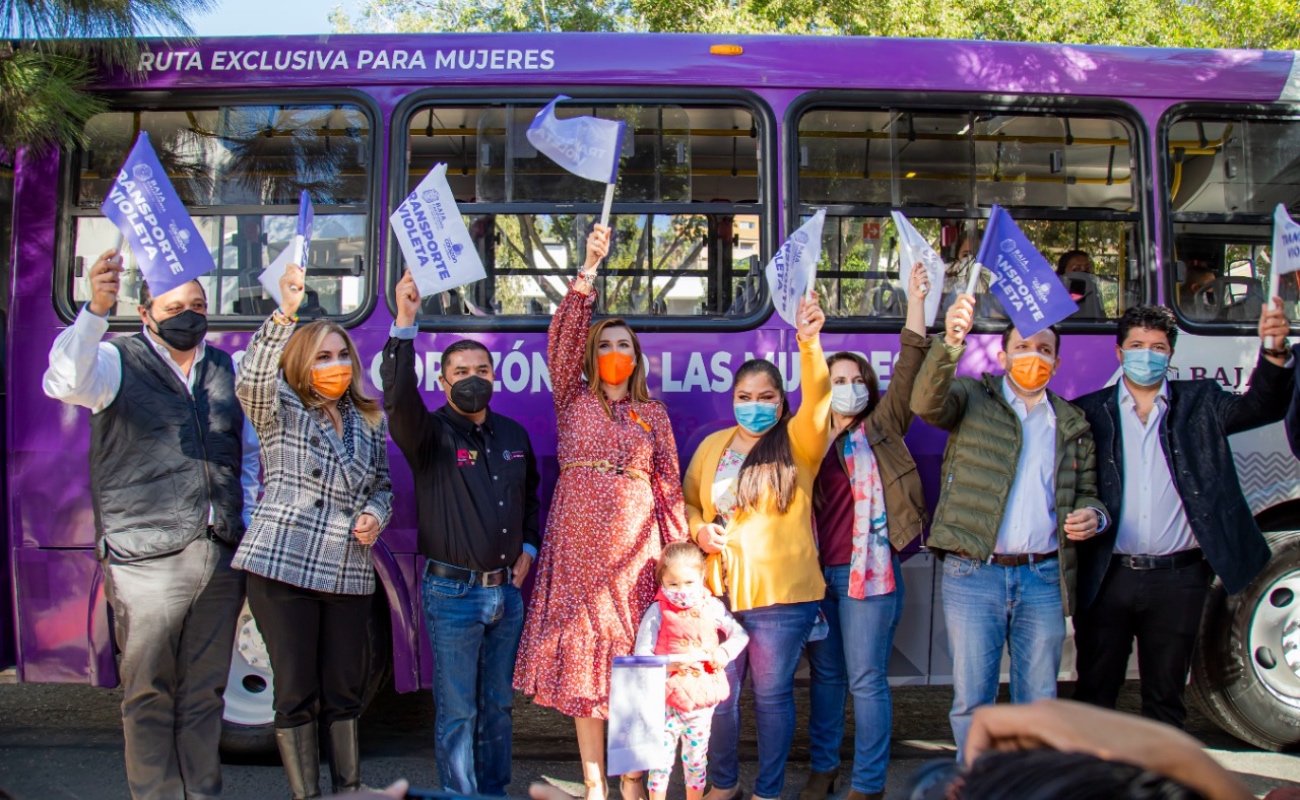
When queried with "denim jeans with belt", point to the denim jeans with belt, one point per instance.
{"points": [[474, 633], [854, 658], [777, 635], [987, 608]]}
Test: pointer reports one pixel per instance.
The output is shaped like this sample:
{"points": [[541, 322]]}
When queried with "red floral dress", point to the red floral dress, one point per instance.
{"points": [[595, 572]]}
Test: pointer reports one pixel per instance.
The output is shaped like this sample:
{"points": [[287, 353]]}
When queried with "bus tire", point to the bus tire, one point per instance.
{"points": [[247, 727], [1246, 667]]}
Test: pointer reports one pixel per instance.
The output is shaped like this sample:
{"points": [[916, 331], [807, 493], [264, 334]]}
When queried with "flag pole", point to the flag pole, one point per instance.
{"points": [[973, 283], [1274, 290], [609, 201]]}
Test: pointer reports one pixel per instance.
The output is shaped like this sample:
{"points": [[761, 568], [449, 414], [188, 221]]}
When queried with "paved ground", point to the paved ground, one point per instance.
{"points": [[63, 741]]}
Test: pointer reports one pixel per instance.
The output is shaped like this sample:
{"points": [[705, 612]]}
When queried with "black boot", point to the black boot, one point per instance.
{"points": [[345, 756], [300, 752]]}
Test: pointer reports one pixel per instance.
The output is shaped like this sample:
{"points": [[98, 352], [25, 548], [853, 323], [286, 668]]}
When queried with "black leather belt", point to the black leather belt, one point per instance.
{"points": [[1186, 558], [487, 580]]}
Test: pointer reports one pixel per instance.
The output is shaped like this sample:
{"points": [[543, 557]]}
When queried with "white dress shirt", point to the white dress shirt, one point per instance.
{"points": [[86, 371], [1152, 520], [1029, 520]]}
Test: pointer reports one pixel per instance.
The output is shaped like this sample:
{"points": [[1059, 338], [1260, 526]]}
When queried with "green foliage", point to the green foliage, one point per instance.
{"points": [[48, 61], [1268, 24]]}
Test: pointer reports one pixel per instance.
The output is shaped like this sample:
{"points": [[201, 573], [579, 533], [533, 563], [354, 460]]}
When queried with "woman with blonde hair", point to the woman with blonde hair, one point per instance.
{"points": [[617, 502], [327, 496]]}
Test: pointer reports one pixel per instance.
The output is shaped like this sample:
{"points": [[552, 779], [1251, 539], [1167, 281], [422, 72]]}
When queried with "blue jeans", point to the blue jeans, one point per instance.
{"points": [[474, 633], [987, 608], [854, 658], [776, 638]]}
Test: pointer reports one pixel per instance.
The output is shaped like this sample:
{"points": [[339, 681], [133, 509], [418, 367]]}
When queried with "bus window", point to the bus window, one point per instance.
{"points": [[240, 170], [688, 211], [1068, 181], [1227, 173]]}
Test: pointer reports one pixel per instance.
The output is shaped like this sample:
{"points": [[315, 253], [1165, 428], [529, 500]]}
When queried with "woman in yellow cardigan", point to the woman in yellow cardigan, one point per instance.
{"points": [[748, 495]]}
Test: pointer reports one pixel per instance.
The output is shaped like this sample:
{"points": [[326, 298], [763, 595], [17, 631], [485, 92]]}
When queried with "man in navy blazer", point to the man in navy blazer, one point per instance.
{"points": [[1166, 469]]}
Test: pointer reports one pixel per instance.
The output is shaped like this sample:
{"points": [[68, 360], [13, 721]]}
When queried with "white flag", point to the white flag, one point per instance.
{"points": [[912, 247], [791, 271], [1286, 243], [270, 277], [433, 237]]}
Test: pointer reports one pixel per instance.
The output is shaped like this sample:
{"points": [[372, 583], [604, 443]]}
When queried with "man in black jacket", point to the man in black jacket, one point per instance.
{"points": [[1165, 466], [477, 508]]}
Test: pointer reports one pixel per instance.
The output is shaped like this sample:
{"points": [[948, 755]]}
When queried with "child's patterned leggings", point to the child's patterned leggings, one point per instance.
{"points": [[692, 728]]}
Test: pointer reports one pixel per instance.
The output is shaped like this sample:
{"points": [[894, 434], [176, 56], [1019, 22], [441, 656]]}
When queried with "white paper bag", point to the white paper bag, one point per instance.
{"points": [[636, 713]]}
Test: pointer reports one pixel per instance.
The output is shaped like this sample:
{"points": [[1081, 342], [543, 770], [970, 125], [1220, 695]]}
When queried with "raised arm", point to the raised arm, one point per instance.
{"points": [[83, 369], [936, 397], [811, 425], [1271, 384], [566, 340], [408, 417], [258, 384]]}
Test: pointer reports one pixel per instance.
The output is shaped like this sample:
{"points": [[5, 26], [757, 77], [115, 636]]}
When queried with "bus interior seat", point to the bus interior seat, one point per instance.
{"points": [[1089, 299]]}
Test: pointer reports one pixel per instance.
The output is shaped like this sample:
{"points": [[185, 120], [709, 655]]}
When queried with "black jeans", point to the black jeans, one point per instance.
{"points": [[1162, 609], [319, 649]]}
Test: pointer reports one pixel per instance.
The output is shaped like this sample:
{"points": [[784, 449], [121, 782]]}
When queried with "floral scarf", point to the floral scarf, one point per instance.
{"points": [[871, 569]]}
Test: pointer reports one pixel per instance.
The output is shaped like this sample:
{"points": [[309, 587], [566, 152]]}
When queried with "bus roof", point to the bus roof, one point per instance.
{"points": [[797, 62]]}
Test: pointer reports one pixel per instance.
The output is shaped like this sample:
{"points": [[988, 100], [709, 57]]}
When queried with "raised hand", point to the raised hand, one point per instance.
{"points": [[408, 300], [919, 281], [597, 248], [810, 317], [292, 289], [958, 320], [1274, 328], [105, 282]]}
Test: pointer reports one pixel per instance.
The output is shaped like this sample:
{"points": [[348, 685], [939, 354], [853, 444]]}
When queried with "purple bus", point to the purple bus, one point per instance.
{"points": [[1161, 166]]}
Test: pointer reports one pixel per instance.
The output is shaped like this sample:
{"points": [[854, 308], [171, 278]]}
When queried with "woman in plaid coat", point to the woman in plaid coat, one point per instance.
{"points": [[307, 552]]}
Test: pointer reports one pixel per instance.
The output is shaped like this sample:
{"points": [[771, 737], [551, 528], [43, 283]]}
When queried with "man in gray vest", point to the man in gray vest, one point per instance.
{"points": [[172, 464]]}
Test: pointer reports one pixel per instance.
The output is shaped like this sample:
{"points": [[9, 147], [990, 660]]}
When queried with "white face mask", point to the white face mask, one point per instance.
{"points": [[848, 398]]}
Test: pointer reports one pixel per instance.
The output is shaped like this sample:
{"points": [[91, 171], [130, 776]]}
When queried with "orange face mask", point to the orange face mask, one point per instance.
{"points": [[331, 380], [1030, 371], [615, 367]]}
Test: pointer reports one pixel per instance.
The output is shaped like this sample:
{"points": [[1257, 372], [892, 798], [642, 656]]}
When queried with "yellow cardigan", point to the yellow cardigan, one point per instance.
{"points": [[769, 558]]}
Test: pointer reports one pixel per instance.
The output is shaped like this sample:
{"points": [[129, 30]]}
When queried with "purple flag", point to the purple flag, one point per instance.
{"points": [[586, 146], [1031, 293], [144, 205]]}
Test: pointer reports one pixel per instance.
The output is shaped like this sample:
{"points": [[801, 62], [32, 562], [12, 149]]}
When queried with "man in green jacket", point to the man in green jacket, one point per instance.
{"points": [[1019, 488]]}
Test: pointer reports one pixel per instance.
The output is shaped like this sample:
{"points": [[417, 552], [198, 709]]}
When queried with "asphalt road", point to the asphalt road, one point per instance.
{"points": [[65, 741]]}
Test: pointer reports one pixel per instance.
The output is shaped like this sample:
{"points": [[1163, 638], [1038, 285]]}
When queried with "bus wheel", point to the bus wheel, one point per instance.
{"points": [[248, 725], [1246, 669]]}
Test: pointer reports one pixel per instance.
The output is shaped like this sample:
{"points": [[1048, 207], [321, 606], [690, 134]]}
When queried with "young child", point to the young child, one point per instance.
{"points": [[684, 622]]}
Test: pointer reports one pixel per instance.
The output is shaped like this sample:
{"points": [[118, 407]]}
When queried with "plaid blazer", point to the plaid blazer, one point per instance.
{"points": [[301, 532]]}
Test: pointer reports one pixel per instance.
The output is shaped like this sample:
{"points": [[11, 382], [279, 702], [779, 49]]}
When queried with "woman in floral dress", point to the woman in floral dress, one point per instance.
{"points": [[618, 500]]}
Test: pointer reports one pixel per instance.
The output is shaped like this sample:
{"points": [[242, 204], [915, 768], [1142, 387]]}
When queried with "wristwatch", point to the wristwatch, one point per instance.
{"points": [[1277, 352]]}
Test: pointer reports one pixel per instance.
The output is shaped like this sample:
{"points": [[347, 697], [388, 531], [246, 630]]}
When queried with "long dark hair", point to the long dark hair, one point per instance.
{"points": [[769, 470], [868, 375]]}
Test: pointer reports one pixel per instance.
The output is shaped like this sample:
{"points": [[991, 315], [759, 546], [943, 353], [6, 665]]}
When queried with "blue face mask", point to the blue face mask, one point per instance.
{"points": [[757, 418], [1145, 367]]}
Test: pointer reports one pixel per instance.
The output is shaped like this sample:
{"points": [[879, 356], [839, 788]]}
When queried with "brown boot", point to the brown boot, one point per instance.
{"points": [[854, 794], [819, 785]]}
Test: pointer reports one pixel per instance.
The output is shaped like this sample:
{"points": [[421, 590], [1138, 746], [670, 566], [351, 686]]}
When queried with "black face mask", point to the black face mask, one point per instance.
{"points": [[183, 331], [471, 395]]}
